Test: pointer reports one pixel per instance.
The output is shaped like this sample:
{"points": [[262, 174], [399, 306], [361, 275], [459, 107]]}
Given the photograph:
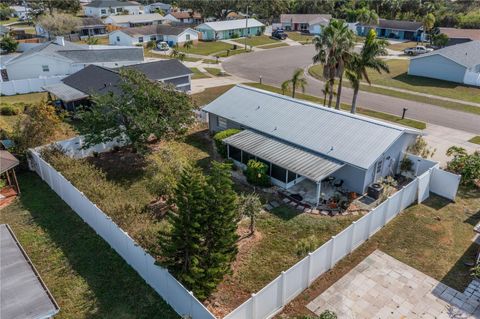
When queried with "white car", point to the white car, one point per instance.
{"points": [[163, 46], [419, 49]]}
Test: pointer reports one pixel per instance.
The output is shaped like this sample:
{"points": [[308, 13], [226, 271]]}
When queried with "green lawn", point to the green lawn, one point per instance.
{"points": [[403, 45], [434, 237], [23, 98], [397, 78], [257, 40], [197, 74], [275, 45], [360, 110], [87, 278], [215, 71], [475, 139], [207, 48], [231, 52], [302, 38], [10, 20], [209, 94], [8, 122]]}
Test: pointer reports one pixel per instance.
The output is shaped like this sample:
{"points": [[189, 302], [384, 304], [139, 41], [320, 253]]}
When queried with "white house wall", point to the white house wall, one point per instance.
{"points": [[97, 12], [32, 68]]}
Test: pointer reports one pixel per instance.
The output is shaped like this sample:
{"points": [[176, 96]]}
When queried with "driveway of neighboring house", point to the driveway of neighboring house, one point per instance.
{"points": [[382, 287]]}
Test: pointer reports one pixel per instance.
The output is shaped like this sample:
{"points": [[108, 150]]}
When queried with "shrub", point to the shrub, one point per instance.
{"points": [[220, 136], [421, 148], [306, 245], [257, 173], [467, 165], [327, 314], [406, 165], [9, 110], [235, 36]]}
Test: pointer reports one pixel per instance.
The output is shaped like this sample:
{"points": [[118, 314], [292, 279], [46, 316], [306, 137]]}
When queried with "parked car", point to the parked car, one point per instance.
{"points": [[419, 49], [279, 34], [163, 46]]}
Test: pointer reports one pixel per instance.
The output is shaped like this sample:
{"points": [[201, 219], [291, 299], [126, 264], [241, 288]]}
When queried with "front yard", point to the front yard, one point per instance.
{"points": [[75, 263], [206, 47], [299, 37], [434, 237], [257, 40]]}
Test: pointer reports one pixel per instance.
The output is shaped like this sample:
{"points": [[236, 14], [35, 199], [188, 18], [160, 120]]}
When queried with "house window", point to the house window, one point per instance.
{"points": [[153, 38], [291, 177], [221, 122], [140, 40], [187, 37], [278, 173], [235, 153], [45, 68], [379, 167], [119, 10], [118, 38], [246, 157], [103, 11]]}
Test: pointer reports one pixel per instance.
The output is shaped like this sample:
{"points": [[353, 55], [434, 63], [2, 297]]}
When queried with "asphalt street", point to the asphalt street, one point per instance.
{"points": [[276, 66]]}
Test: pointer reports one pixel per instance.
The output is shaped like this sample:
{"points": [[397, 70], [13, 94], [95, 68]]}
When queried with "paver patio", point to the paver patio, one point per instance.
{"points": [[383, 287]]}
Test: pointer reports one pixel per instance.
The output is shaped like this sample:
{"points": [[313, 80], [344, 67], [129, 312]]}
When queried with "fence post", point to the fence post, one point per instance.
{"points": [[352, 236], [385, 211], [309, 269], [369, 224], [401, 199], [283, 289], [254, 306], [332, 253]]}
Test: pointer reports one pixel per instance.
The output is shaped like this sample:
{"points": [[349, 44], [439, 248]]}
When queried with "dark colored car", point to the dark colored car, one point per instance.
{"points": [[279, 34]]}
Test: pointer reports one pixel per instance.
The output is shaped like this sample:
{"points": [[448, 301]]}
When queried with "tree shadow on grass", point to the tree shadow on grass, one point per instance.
{"points": [[423, 81], [458, 277], [285, 212], [118, 290]]}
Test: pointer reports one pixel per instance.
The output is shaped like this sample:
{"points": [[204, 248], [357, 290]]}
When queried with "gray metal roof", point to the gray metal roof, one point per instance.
{"points": [[346, 137], [23, 293], [295, 159], [104, 55], [466, 54], [111, 3], [65, 92], [304, 18], [7, 161]]}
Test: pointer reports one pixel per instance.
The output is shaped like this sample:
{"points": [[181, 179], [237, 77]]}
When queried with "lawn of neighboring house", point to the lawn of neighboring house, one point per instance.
{"points": [[215, 72], [232, 52], [207, 48], [275, 45], [209, 94], [360, 110], [101, 41], [257, 40], [403, 45], [475, 139], [299, 37], [8, 122], [87, 278], [434, 237], [10, 20], [197, 74], [397, 78]]}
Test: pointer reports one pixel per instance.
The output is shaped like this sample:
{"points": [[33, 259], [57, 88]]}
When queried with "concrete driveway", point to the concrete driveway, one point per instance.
{"points": [[276, 66]]}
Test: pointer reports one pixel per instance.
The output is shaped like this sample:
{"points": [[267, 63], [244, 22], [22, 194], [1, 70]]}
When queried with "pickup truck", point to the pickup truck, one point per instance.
{"points": [[419, 49], [279, 34]]}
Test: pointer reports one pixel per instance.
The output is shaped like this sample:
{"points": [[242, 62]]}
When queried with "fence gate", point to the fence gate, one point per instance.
{"points": [[444, 183]]}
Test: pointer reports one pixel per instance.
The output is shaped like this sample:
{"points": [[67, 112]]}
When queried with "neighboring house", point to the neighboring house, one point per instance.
{"points": [[24, 294], [105, 8], [457, 36], [4, 30], [186, 17], [395, 29], [457, 63], [161, 32], [301, 140], [130, 21], [77, 88], [152, 8], [311, 23], [89, 27], [60, 57], [228, 29], [20, 11]]}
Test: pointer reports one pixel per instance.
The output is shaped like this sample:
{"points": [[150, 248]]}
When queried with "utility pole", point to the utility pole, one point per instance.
{"points": [[246, 30]]}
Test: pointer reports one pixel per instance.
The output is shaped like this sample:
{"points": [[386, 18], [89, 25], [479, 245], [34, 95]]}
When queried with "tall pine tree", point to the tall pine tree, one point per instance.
{"points": [[220, 227], [183, 248]]}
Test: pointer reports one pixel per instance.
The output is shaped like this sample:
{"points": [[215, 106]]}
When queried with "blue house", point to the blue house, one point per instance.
{"points": [[395, 29]]}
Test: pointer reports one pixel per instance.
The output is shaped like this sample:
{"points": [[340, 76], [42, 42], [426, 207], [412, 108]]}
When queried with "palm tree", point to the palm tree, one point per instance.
{"points": [[297, 81], [428, 23], [188, 45], [368, 58], [367, 17], [334, 47]]}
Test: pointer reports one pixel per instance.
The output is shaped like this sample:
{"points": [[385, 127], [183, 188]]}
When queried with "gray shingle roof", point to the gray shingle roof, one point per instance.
{"points": [[399, 24], [295, 159], [162, 29], [466, 54], [110, 3], [339, 135], [162, 69], [64, 92], [104, 55], [24, 295]]}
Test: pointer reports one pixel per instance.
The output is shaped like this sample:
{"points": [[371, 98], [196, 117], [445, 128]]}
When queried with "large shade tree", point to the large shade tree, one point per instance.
{"points": [[334, 47], [368, 58], [141, 110]]}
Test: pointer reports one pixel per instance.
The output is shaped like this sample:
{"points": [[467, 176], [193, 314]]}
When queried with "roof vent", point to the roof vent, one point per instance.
{"points": [[258, 107]]}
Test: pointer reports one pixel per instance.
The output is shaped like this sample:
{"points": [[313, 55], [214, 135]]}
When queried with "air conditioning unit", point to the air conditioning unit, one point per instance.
{"points": [[375, 190]]}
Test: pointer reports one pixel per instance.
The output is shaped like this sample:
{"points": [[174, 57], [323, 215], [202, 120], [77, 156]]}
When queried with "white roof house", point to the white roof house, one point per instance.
{"points": [[60, 57], [134, 20], [308, 139], [104, 8], [231, 24], [226, 29]]}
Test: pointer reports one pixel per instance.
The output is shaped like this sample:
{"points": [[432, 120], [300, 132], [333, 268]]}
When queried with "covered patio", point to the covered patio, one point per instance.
{"points": [[68, 97], [10, 188], [299, 171]]}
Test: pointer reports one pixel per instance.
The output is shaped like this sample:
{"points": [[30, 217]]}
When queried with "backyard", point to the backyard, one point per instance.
{"points": [[123, 184], [75, 263], [434, 237]]}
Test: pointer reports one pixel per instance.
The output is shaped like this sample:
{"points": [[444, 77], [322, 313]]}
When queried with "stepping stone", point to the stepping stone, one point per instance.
{"points": [[268, 207], [300, 207], [274, 203], [308, 210], [293, 204], [315, 211], [324, 213], [286, 200]]}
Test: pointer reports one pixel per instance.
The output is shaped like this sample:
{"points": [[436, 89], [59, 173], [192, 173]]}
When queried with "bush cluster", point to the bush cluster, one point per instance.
{"points": [[220, 136], [257, 173], [9, 110]]}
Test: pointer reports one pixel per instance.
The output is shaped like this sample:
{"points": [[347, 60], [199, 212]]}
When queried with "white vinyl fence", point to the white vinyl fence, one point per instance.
{"points": [[172, 291], [27, 85], [273, 297]]}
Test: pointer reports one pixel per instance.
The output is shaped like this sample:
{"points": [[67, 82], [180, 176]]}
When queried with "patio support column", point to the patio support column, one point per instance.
{"points": [[16, 181], [319, 188]]}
